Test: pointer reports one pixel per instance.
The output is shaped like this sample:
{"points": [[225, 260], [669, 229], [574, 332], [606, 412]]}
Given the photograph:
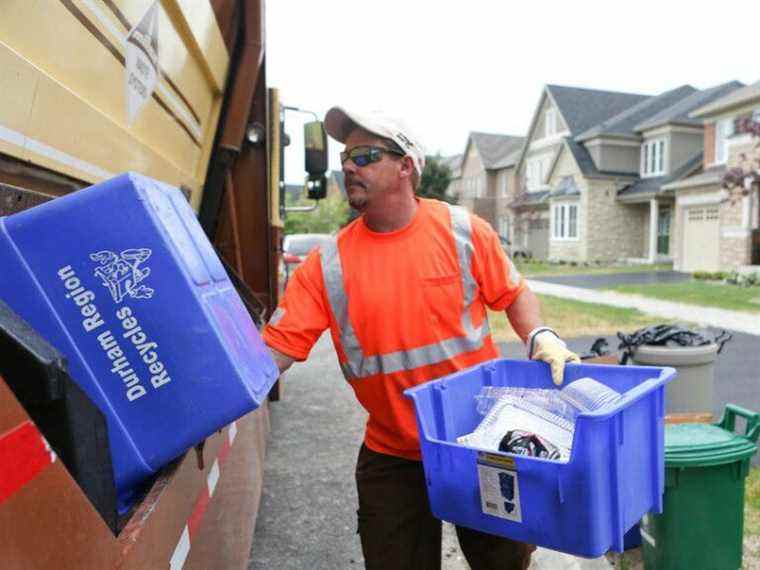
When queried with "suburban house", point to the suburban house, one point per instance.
{"points": [[591, 177], [717, 227], [486, 177], [562, 113]]}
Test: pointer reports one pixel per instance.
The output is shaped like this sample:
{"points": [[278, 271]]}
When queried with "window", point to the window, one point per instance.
{"points": [[504, 185], [504, 227], [565, 221], [532, 174], [472, 186], [661, 156], [653, 158], [572, 221], [535, 172], [479, 187], [550, 127], [723, 130]]}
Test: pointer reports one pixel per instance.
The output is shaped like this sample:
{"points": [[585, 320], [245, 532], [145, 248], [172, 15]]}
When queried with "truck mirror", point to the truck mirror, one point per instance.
{"points": [[315, 147], [316, 187]]}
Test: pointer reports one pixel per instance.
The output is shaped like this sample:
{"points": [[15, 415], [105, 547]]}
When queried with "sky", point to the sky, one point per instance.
{"points": [[448, 68]]}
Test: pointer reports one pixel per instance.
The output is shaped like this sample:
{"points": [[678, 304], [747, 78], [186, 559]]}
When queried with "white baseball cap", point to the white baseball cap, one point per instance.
{"points": [[339, 123]]}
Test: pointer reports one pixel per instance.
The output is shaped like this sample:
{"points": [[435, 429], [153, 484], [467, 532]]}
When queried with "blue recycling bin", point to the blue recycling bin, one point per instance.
{"points": [[584, 506], [121, 279]]}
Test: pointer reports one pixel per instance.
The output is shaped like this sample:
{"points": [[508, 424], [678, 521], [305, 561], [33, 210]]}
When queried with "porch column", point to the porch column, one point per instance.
{"points": [[653, 221]]}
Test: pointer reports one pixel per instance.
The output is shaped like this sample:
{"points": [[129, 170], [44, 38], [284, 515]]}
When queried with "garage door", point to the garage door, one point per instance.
{"points": [[701, 238]]}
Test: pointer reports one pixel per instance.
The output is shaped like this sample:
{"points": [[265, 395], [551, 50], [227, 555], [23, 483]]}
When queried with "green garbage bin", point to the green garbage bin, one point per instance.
{"points": [[702, 522]]}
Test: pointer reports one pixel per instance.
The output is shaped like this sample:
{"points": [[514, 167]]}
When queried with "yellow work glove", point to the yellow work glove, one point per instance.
{"points": [[544, 344]]}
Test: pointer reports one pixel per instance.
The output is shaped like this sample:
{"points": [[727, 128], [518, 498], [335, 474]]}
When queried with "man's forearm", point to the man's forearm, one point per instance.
{"points": [[524, 313]]}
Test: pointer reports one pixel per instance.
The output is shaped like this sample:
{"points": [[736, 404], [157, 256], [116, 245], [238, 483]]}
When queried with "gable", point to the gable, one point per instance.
{"points": [[472, 164], [536, 134], [539, 129], [564, 164]]}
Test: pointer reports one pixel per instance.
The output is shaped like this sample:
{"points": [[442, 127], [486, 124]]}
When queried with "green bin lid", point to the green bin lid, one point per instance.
{"points": [[703, 445]]}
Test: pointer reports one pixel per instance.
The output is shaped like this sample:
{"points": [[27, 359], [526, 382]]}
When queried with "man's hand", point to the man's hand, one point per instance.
{"points": [[545, 345]]}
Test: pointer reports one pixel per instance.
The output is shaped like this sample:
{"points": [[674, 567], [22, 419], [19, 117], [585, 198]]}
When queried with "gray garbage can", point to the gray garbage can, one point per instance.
{"points": [[693, 388]]}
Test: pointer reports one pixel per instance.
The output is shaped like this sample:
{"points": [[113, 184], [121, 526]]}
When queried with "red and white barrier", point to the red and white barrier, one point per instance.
{"points": [[182, 549]]}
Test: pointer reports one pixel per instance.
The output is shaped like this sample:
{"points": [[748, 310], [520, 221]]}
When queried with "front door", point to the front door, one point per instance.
{"points": [[663, 231]]}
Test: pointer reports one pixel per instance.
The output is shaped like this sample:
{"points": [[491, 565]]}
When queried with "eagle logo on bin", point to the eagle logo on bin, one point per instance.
{"points": [[121, 273]]}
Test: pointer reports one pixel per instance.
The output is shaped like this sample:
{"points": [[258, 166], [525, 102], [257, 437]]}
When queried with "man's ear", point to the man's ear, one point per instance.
{"points": [[407, 167]]}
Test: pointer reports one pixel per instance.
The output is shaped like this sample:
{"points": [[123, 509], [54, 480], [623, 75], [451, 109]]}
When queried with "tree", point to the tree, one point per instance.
{"points": [[435, 179], [745, 176], [328, 217]]}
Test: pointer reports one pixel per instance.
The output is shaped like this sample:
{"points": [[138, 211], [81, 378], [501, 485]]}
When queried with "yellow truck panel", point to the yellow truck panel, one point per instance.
{"points": [[71, 68]]}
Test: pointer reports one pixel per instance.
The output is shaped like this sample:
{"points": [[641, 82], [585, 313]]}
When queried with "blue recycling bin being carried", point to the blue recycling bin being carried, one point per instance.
{"points": [[583, 506], [121, 278]]}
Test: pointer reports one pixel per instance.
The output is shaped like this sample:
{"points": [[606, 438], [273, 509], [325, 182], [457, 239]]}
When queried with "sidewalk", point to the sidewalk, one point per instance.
{"points": [[721, 318]]}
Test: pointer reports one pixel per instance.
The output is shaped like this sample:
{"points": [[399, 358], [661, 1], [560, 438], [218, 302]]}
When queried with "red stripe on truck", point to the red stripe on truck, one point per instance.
{"points": [[23, 455]]}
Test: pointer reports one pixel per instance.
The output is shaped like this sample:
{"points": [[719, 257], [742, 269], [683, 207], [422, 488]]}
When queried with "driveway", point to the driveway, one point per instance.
{"points": [[605, 281]]}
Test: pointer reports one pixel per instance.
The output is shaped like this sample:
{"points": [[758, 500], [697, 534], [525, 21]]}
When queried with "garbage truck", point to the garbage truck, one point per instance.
{"points": [[175, 90]]}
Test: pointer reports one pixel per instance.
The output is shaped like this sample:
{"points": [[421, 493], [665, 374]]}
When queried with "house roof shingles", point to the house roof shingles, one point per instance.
{"points": [[680, 112], [748, 94], [530, 199], [584, 108], [625, 122], [654, 184], [712, 175], [495, 149], [672, 106], [586, 163]]}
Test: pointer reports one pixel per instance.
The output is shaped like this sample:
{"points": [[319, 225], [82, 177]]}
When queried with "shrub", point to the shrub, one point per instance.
{"points": [[744, 279], [711, 275]]}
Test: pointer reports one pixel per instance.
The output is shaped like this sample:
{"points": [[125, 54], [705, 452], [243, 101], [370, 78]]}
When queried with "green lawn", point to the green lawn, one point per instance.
{"points": [[703, 293], [534, 268], [752, 503], [574, 318], [752, 520]]}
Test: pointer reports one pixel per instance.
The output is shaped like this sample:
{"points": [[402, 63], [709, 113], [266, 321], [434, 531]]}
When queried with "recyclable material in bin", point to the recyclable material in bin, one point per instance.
{"points": [[122, 280], [585, 506]]}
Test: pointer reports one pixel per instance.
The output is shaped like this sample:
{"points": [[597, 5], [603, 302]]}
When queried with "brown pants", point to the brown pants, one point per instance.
{"points": [[398, 531]]}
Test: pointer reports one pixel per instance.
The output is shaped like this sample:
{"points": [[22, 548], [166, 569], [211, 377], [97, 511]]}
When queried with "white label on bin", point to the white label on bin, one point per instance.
{"points": [[499, 491], [141, 62]]}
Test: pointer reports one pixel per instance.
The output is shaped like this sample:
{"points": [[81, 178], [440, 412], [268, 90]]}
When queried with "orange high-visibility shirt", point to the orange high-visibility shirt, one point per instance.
{"points": [[395, 306]]}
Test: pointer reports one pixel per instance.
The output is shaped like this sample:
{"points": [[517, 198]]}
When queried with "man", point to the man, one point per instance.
{"points": [[404, 290]]}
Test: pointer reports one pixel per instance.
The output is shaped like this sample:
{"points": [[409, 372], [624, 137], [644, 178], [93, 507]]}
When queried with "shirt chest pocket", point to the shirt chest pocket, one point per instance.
{"points": [[442, 294]]}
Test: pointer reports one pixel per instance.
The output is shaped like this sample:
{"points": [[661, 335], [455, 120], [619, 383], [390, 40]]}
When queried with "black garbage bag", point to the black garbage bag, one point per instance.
{"points": [[523, 442], [667, 335]]}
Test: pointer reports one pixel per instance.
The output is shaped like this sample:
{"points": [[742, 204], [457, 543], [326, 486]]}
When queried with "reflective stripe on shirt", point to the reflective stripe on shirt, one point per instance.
{"points": [[359, 365]]}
